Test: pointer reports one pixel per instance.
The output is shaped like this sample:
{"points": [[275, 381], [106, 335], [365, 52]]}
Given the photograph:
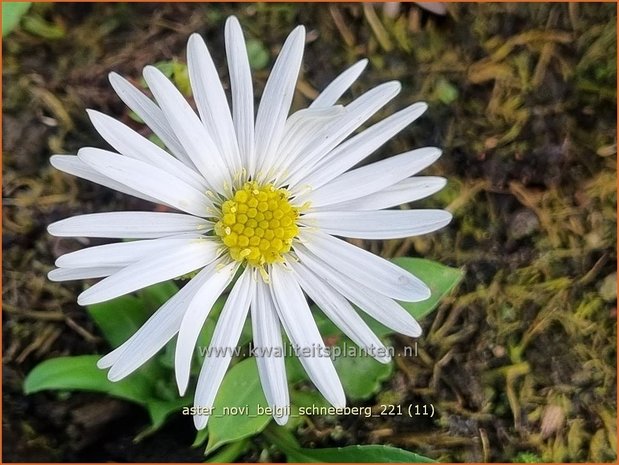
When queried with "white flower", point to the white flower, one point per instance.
{"points": [[265, 197]]}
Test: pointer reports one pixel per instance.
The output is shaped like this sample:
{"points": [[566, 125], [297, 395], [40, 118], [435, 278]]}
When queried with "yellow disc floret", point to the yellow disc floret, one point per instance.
{"points": [[258, 224]]}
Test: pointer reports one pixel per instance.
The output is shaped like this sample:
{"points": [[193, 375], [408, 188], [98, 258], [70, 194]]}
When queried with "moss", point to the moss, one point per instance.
{"points": [[522, 101]]}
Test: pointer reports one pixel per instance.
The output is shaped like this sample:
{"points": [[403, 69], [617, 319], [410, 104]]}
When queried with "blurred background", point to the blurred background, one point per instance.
{"points": [[519, 362]]}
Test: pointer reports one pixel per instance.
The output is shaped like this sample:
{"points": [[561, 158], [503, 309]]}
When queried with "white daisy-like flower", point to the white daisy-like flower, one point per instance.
{"points": [[259, 197]]}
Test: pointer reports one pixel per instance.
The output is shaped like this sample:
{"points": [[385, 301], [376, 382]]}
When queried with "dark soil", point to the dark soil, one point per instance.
{"points": [[520, 362]]}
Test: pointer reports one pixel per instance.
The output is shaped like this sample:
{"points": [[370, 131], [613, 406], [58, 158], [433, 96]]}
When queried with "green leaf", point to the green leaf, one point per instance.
{"points": [[289, 445], [11, 14], [206, 334], [81, 373], [134, 115], [201, 436], [445, 91], [230, 452], [159, 412], [307, 398], [178, 73], [181, 78], [39, 27], [119, 318], [257, 54], [355, 454], [204, 341], [155, 296], [240, 389], [294, 370], [440, 279], [361, 376], [166, 67]]}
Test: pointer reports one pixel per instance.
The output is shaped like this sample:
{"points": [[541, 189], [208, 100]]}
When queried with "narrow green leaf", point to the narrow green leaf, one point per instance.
{"points": [[201, 437], [289, 445], [38, 26], [159, 412], [355, 454], [119, 318], [240, 390], [12, 12], [81, 373], [230, 453]]}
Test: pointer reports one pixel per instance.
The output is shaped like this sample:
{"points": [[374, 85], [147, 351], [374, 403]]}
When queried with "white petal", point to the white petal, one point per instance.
{"points": [[194, 318], [339, 85], [276, 98], [438, 8], [71, 274], [150, 113], [174, 262], [150, 180], [299, 134], [300, 326], [242, 93], [121, 254], [129, 225], [71, 164], [194, 136], [158, 330], [128, 142], [381, 224], [356, 113], [211, 101], [226, 336], [405, 191], [269, 351], [360, 146], [366, 268], [338, 310], [381, 308], [372, 178]]}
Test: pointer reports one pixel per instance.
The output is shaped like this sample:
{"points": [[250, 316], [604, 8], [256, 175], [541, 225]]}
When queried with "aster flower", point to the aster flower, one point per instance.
{"points": [[259, 198]]}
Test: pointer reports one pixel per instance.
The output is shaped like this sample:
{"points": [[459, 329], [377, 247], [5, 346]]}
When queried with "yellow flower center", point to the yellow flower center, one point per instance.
{"points": [[258, 224]]}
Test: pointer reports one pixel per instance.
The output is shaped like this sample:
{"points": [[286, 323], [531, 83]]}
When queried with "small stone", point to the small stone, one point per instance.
{"points": [[553, 420], [608, 288], [523, 224]]}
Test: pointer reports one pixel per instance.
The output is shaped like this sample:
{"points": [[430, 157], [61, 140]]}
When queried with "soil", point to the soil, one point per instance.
{"points": [[519, 362]]}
